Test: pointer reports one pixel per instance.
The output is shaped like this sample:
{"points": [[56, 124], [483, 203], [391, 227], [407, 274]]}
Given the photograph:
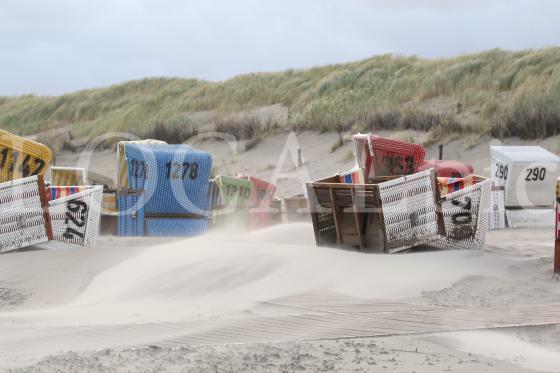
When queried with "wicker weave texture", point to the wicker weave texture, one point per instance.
{"points": [[409, 210], [122, 165], [497, 208], [391, 157], [75, 219], [176, 227], [174, 178], [131, 214], [321, 216], [22, 219], [21, 157], [530, 218], [466, 217]]}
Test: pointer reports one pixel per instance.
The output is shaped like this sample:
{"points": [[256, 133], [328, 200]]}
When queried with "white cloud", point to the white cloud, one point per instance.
{"points": [[55, 46]]}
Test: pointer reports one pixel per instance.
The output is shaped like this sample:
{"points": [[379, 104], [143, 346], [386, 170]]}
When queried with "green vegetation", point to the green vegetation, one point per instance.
{"points": [[499, 92]]}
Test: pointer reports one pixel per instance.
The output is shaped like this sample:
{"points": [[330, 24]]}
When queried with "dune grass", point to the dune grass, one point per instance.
{"points": [[499, 92]]}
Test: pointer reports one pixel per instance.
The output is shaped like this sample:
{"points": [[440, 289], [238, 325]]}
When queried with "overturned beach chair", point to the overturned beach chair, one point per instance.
{"points": [[167, 190], [380, 156], [524, 182], [47, 217], [24, 214], [21, 157], [465, 206], [235, 197], [75, 213], [389, 213], [265, 209]]}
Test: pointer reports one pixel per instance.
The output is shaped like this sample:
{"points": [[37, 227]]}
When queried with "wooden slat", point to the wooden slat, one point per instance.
{"points": [[335, 217], [323, 316]]}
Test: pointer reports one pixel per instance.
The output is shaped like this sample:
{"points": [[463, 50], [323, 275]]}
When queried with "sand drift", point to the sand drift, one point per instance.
{"points": [[269, 285], [216, 275]]}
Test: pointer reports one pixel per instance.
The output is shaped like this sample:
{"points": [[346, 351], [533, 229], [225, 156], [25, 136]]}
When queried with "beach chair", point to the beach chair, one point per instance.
{"points": [[380, 156], [122, 164], [235, 197], [388, 213], [75, 214], [21, 157], [524, 183], [166, 190], [265, 209], [465, 206]]}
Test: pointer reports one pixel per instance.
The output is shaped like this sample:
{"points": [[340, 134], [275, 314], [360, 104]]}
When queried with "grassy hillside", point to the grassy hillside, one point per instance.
{"points": [[505, 93]]}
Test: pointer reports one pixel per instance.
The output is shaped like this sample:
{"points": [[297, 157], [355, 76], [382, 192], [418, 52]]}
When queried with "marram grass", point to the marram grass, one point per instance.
{"points": [[499, 92]]}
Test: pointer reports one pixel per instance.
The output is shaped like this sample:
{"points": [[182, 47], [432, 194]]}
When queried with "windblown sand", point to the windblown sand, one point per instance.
{"points": [[228, 276]]}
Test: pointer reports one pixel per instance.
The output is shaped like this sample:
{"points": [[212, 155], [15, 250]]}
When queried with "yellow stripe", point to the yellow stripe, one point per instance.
{"points": [[67, 177], [13, 146]]}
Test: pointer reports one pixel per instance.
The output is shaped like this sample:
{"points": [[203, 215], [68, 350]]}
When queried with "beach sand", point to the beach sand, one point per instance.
{"points": [[84, 310], [182, 305]]}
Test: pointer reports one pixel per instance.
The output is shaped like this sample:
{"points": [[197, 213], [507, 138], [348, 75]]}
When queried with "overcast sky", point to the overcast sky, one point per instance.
{"points": [[59, 46]]}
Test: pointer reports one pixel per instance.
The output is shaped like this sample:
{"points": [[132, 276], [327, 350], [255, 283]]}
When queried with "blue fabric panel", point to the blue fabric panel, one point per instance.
{"points": [[131, 215], [174, 178], [175, 227]]}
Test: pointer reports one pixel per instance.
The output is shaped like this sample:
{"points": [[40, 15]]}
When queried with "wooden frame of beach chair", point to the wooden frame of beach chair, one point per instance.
{"points": [[389, 213]]}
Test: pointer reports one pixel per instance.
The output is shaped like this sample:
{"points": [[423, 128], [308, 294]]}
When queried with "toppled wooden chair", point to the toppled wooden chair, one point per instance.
{"points": [[387, 214]]}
